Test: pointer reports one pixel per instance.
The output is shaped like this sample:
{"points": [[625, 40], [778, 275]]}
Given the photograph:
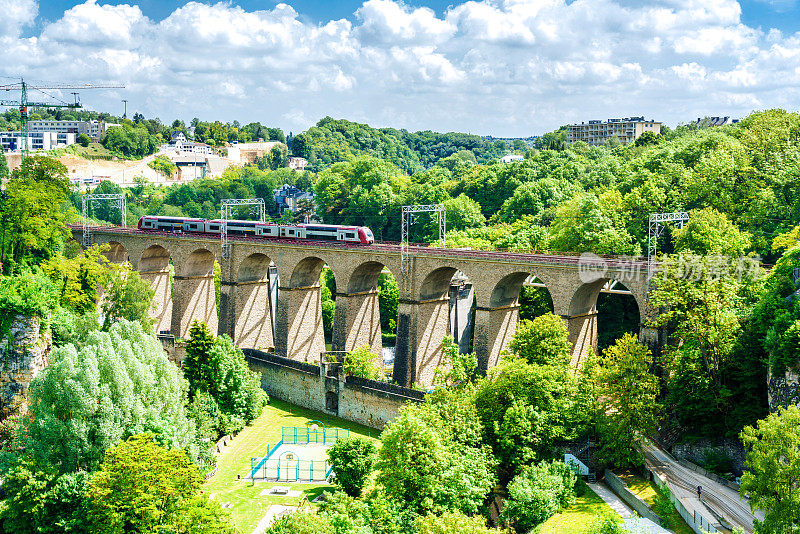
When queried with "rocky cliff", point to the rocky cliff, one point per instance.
{"points": [[23, 355], [784, 389]]}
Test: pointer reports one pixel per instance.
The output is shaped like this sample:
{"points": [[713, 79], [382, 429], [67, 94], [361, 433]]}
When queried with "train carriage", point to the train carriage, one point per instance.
{"points": [[311, 232]]}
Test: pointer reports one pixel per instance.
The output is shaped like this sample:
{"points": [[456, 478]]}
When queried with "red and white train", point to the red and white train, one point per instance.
{"points": [[324, 232]]}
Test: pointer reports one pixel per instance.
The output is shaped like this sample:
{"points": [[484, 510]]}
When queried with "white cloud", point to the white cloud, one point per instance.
{"points": [[501, 67], [15, 15]]}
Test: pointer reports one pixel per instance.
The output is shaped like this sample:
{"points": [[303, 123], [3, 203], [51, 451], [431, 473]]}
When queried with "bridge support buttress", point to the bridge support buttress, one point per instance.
{"points": [[494, 328], [582, 335], [357, 322], [194, 298], [245, 313], [421, 326], [162, 298], [298, 329]]}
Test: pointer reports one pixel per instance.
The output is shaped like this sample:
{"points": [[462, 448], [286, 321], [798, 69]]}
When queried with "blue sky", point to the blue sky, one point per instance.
{"points": [[495, 67], [781, 14]]}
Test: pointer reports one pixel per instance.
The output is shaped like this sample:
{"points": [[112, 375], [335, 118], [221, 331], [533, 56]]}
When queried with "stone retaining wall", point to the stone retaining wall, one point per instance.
{"points": [[367, 402]]}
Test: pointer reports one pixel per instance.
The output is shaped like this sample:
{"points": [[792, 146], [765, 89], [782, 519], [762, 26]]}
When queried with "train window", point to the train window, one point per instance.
{"points": [[350, 235], [214, 227], [291, 232]]}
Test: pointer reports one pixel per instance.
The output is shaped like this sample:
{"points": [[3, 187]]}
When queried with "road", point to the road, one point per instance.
{"points": [[722, 501]]}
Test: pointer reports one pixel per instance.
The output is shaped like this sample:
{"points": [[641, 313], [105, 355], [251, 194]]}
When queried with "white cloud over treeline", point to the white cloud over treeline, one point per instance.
{"points": [[501, 67]]}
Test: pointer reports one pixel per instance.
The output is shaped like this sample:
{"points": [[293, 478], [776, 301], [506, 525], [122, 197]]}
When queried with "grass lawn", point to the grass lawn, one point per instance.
{"points": [[577, 518], [647, 491], [247, 506]]}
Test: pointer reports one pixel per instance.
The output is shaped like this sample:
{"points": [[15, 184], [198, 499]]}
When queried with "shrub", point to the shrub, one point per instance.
{"points": [[352, 460], [537, 493], [360, 363]]}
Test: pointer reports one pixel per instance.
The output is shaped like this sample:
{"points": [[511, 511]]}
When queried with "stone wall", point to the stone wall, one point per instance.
{"points": [[695, 451], [23, 354], [366, 402], [784, 389]]}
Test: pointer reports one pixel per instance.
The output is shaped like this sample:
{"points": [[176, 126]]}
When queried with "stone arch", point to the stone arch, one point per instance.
{"points": [[155, 258], [365, 277], [199, 263], [194, 292], [496, 323], [306, 273], [252, 316], [116, 253], [436, 284], [254, 268], [582, 321], [154, 267]]}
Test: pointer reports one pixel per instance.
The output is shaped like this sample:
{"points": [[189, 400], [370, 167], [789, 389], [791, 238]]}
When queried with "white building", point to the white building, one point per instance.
{"points": [[179, 145], [511, 158], [298, 164], [12, 141], [598, 132], [94, 129]]}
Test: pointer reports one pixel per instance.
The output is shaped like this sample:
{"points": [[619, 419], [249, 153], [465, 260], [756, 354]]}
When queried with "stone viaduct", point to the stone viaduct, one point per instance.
{"points": [[423, 309]]}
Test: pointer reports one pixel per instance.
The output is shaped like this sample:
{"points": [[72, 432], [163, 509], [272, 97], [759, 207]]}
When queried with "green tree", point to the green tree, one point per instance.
{"points": [[388, 295], [83, 140], [277, 157], [542, 341], [463, 212], [593, 223], [127, 296], [626, 400], [703, 302], [142, 486], [537, 493], [711, 232], [301, 522], [217, 367], [198, 368], [425, 469], [456, 368], [352, 460], [773, 476], [120, 383], [79, 278], [40, 500], [647, 138], [33, 219]]}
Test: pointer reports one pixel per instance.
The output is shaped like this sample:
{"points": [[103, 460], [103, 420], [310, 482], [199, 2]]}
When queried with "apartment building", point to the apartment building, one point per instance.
{"points": [[12, 141], [94, 129], [597, 132]]}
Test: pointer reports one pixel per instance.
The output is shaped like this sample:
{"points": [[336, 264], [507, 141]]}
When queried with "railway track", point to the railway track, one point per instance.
{"points": [[718, 501], [394, 247]]}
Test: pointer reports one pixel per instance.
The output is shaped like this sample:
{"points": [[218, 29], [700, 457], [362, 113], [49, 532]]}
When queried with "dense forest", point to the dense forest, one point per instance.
{"points": [[726, 296]]}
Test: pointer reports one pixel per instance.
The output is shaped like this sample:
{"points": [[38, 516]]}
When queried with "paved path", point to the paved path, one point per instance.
{"points": [[611, 499], [718, 500]]}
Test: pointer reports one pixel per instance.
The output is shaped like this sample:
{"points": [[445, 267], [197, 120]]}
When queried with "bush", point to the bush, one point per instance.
{"points": [[83, 140], [360, 363], [301, 522], [453, 523], [352, 460], [537, 493], [606, 525]]}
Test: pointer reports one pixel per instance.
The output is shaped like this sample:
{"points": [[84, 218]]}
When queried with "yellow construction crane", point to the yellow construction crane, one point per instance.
{"points": [[24, 104]]}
